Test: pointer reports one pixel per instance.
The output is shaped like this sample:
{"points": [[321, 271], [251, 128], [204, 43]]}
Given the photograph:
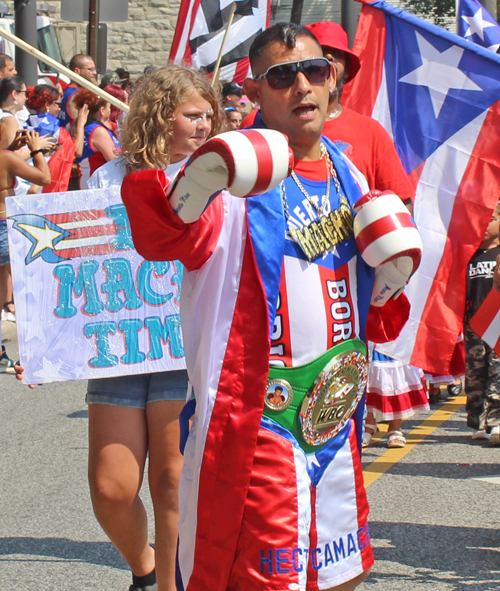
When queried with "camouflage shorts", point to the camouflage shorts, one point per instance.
{"points": [[482, 382]]}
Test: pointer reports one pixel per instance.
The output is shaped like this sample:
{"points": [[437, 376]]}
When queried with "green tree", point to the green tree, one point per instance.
{"points": [[439, 10], [436, 10]]}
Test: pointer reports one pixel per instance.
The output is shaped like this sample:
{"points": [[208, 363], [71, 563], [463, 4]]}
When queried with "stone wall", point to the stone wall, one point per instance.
{"points": [[143, 40]]}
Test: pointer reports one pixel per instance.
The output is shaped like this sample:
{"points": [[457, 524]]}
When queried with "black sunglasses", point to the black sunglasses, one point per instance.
{"points": [[316, 70]]}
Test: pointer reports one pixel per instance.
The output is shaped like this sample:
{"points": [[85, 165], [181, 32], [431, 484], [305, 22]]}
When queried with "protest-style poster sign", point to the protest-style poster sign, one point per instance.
{"points": [[87, 305]]}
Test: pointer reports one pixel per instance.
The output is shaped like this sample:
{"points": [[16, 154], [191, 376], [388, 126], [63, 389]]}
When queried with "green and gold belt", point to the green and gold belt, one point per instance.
{"points": [[314, 401]]}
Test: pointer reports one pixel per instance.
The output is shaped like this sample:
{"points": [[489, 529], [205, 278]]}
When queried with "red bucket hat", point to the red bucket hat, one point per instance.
{"points": [[333, 35]]}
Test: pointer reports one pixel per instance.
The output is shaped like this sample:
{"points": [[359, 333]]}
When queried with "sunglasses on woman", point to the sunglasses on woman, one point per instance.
{"points": [[316, 70]]}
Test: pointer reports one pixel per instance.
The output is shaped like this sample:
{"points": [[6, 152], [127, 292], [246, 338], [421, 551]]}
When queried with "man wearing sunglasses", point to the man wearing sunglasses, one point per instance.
{"points": [[275, 293], [291, 83]]}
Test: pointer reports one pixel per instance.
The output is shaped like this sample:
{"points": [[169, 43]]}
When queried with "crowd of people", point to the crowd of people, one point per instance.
{"points": [[254, 510]]}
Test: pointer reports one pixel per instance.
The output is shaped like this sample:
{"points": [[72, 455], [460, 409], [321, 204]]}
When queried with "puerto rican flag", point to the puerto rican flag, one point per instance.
{"points": [[438, 97], [200, 30], [486, 321], [476, 24]]}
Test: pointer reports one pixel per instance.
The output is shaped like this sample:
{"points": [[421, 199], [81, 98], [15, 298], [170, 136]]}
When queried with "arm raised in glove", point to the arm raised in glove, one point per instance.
{"points": [[246, 163], [389, 241]]}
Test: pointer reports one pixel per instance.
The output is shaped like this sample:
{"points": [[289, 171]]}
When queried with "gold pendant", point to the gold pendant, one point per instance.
{"points": [[321, 236]]}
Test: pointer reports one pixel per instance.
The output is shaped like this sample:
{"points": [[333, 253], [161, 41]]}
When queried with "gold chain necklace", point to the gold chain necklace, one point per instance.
{"points": [[320, 236]]}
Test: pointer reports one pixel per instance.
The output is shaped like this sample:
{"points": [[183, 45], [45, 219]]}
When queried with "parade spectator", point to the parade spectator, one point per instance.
{"points": [[7, 69], [107, 79], [84, 66], [100, 143], [233, 118], [482, 365], [13, 94], [123, 78], [117, 115], [79, 129], [231, 95], [246, 106], [365, 141], [45, 101], [7, 66], [171, 114], [11, 167]]}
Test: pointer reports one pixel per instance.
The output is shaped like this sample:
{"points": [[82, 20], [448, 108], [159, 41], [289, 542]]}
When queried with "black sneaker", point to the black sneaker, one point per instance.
{"points": [[147, 588], [6, 364]]}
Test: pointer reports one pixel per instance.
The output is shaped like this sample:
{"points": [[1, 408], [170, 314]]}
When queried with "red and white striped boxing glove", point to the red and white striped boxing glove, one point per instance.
{"points": [[389, 241], [246, 163]]}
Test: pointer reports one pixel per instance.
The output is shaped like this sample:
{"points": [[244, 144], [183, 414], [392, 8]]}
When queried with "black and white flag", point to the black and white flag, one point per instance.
{"points": [[201, 26]]}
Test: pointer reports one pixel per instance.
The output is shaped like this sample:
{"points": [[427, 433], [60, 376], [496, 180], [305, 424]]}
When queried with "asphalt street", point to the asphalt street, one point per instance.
{"points": [[434, 522]]}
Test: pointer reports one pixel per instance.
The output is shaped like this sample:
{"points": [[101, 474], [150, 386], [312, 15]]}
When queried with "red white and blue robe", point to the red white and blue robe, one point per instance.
{"points": [[234, 257]]}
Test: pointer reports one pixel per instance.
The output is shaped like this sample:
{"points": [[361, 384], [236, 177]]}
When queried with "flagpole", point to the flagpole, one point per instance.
{"points": [[215, 77], [457, 8]]}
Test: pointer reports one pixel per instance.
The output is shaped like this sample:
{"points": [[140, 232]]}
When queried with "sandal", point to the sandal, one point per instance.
{"points": [[396, 439], [369, 435]]}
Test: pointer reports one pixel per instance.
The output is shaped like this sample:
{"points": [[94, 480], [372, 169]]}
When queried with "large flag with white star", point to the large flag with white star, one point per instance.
{"points": [[200, 30], [438, 96], [476, 24]]}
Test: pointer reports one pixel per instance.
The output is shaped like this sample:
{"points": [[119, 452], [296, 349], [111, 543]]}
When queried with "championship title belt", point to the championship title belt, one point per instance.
{"points": [[316, 400]]}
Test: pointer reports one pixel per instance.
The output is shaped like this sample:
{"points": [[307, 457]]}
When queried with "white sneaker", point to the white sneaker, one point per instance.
{"points": [[481, 434], [495, 436]]}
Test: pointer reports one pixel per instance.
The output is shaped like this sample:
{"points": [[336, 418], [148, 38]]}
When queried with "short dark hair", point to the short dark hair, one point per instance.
{"points": [[76, 60], [286, 33], [7, 85], [4, 58], [231, 88]]}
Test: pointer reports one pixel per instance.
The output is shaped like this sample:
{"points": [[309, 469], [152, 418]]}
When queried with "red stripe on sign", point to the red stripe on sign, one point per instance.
{"points": [[381, 227], [84, 251], [76, 216], [92, 231], [264, 161]]}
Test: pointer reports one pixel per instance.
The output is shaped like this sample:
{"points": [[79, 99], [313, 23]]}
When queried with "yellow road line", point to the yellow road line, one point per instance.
{"points": [[392, 456]]}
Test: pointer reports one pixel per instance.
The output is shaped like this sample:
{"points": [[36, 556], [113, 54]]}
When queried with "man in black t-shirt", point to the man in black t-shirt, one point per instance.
{"points": [[482, 377]]}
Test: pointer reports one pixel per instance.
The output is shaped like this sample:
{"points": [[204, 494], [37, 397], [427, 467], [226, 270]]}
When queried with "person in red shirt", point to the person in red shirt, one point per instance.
{"points": [[362, 139], [395, 390]]}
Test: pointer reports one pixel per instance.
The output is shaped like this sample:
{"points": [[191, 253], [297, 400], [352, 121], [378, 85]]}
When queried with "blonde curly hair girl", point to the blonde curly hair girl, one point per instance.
{"points": [[147, 130]]}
